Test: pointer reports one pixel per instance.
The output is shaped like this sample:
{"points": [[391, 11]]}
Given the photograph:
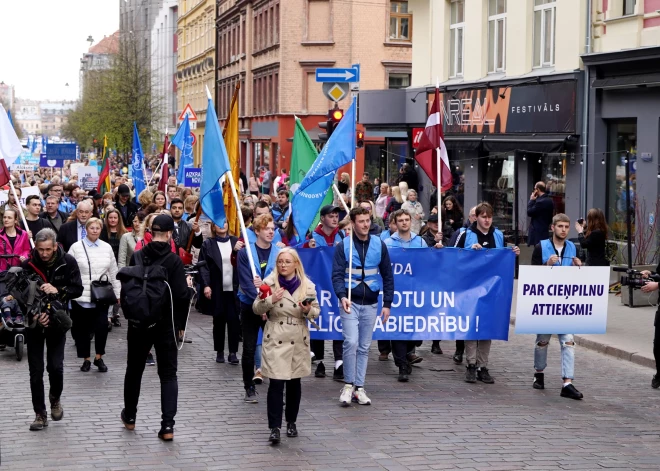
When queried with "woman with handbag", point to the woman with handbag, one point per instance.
{"points": [[112, 233], [287, 298], [89, 312]]}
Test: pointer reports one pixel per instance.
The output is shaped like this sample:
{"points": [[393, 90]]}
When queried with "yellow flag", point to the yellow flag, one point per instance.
{"points": [[230, 135]]}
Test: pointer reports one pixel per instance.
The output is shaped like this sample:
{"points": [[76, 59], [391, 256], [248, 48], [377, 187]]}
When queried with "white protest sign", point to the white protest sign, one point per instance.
{"points": [[21, 167], [25, 192], [562, 300], [88, 177], [74, 168]]}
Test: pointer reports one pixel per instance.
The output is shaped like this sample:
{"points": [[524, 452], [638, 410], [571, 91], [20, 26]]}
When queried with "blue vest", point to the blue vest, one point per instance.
{"points": [[415, 242], [471, 239], [270, 266], [252, 236], [278, 218], [566, 257], [321, 242], [369, 273]]}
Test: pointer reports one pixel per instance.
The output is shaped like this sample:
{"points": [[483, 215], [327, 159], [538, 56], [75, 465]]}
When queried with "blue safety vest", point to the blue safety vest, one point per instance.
{"points": [[415, 242], [321, 242], [252, 236], [471, 239], [270, 266], [369, 273], [566, 257]]}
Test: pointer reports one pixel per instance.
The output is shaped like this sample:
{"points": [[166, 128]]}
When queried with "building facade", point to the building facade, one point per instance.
{"points": [[510, 87], [98, 58], [46, 118], [164, 43], [271, 48], [624, 112], [7, 95], [195, 66]]}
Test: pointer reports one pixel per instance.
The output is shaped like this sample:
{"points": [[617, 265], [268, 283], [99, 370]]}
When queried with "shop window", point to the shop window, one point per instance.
{"points": [[629, 7], [398, 81], [544, 32], [396, 156], [551, 169], [400, 21], [456, 31], [496, 35], [622, 137], [457, 166], [497, 188]]}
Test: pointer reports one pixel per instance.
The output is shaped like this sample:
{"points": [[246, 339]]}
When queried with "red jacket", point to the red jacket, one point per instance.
{"points": [[148, 238], [21, 248]]}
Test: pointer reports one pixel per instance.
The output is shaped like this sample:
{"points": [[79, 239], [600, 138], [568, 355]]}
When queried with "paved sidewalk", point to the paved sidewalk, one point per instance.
{"points": [[629, 332]]}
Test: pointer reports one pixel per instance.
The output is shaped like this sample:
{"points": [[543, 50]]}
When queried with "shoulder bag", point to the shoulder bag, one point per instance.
{"points": [[101, 291]]}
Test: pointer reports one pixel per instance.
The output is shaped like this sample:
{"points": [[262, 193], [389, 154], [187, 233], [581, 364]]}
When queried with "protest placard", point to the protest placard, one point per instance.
{"points": [[192, 177], [25, 192], [88, 177], [562, 300]]}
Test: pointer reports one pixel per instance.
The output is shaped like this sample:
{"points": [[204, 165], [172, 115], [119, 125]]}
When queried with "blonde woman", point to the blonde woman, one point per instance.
{"points": [[395, 202], [415, 210], [95, 260], [290, 301], [344, 183], [145, 198], [403, 187]]}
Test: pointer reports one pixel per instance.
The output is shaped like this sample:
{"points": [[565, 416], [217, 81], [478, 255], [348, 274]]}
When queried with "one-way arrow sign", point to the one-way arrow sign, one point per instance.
{"points": [[338, 75]]}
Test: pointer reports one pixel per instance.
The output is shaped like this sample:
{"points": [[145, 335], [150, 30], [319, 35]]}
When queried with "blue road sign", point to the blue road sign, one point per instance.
{"points": [[338, 75], [357, 67], [61, 151]]}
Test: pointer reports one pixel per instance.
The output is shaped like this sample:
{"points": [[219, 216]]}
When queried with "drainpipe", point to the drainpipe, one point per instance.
{"points": [[585, 119]]}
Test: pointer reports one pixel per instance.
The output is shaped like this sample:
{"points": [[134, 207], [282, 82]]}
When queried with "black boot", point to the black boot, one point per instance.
{"points": [[539, 381], [403, 374], [435, 348], [471, 374], [274, 436], [320, 370], [291, 430]]}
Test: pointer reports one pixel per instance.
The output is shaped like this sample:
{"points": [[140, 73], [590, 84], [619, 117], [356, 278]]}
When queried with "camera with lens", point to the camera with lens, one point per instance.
{"points": [[635, 278]]}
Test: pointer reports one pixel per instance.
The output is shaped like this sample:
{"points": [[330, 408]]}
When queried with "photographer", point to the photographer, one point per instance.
{"points": [[61, 277], [649, 287]]}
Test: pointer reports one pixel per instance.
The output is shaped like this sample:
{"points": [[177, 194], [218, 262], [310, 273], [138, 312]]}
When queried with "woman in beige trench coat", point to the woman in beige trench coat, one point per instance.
{"points": [[287, 300]]}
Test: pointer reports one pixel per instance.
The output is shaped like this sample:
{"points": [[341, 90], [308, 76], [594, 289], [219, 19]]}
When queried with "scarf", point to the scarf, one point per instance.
{"points": [[290, 285], [221, 239]]}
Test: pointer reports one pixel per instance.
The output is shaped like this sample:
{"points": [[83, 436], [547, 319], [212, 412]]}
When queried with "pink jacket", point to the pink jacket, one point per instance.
{"points": [[21, 248]]}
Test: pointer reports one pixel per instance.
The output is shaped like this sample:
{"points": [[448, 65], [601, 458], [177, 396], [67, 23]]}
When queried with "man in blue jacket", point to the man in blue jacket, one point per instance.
{"points": [[540, 208], [553, 252], [264, 254], [371, 271]]}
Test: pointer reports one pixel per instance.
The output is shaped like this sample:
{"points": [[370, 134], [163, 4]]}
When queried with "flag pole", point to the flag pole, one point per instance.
{"points": [[153, 174], [234, 193], [343, 203], [22, 216], [438, 175], [350, 246]]}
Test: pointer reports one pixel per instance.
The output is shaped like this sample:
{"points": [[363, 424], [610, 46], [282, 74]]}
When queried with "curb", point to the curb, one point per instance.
{"points": [[605, 349]]}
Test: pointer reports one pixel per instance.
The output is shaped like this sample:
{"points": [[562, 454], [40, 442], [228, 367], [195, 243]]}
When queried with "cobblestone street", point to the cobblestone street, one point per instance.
{"points": [[436, 421]]}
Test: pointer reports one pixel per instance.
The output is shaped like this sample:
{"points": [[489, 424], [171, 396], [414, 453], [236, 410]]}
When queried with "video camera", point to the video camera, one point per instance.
{"points": [[634, 277]]}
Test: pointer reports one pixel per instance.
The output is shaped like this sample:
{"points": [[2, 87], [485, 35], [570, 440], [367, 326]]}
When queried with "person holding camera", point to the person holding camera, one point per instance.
{"points": [[61, 277], [593, 238], [286, 300], [651, 286], [89, 312]]}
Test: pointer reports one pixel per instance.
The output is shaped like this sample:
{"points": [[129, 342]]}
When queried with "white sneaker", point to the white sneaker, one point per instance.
{"points": [[360, 396], [346, 395]]}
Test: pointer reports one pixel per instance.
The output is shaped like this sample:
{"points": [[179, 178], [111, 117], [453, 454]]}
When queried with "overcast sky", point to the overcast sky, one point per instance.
{"points": [[42, 41]]}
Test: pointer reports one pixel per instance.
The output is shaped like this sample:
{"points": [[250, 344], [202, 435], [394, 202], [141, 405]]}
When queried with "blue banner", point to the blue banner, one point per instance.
{"points": [[137, 164], [44, 162], [61, 152], [447, 294], [192, 177]]}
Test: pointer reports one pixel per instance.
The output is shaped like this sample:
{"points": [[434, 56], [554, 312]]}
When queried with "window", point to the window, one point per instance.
{"points": [[456, 30], [544, 32], [398, 81], [400, 21], [629, 7], [622, 144], [496, 35]]}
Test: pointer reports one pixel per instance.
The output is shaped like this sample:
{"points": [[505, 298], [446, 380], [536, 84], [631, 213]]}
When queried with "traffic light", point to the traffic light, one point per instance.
{"points": [[359, 140], [334, 116]]}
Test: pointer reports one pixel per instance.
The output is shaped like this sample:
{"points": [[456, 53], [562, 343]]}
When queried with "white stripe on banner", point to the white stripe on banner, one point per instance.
{"points": [[433, 120]]}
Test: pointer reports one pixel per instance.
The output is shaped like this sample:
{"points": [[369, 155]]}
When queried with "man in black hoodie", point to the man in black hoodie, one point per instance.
{"points": [[126, 207], [160, 335], [61, 277]]}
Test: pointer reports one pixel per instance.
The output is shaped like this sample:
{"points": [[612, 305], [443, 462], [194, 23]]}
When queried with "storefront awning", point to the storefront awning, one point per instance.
{"points": [[627, 81], [544, 143]]}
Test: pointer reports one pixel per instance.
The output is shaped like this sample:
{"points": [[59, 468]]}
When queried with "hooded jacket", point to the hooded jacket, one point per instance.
{"points": [[415, 242], [21, 248], [63, 273]]}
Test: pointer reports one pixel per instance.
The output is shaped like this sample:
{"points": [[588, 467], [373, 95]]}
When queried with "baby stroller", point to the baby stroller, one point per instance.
{"points": [[12, 321]]}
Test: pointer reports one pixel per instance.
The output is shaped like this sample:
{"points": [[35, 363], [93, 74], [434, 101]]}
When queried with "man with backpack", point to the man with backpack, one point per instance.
{"points": [[155, 309]]}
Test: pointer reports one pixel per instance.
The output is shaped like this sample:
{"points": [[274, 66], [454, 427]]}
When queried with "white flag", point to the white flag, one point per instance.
{"points": [[10, 146]]}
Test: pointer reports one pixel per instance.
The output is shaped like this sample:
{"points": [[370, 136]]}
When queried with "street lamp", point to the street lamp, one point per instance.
{"points": [[90, 40]]}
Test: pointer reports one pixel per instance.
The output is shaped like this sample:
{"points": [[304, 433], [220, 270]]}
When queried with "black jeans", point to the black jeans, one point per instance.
{"points": [[225, 318], [385, 346], [140, 341], [250, 323], [275, 397], [54, 341], [318, 347], [656, 342], [88, 321], [460, 347], [400, 350]]}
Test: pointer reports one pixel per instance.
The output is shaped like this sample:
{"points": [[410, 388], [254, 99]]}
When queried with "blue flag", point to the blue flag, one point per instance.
{"points": [[11, 120], [137, 164], [183, 141], [338, 151], [44, 144], [33, 147], [215, 163]]}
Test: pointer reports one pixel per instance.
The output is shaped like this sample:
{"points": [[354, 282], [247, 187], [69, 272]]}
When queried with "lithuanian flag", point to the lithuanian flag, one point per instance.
{"points": [[104, 177]]}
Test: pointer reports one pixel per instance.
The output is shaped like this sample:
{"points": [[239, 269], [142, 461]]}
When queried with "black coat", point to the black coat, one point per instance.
{"points": [[44, 215], [211, 273], [410, 177], [541, 210], [68, 235], [130, 213], [63, 274], [184, 230]]}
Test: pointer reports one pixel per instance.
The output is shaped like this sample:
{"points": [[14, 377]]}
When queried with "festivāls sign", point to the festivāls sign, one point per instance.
{"points": [[447, 294], [562, 300], [544, 108], [192, 177]]}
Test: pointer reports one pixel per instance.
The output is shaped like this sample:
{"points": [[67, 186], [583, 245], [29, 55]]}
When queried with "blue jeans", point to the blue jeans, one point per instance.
{"points": [[567, 353], [357, 329]]}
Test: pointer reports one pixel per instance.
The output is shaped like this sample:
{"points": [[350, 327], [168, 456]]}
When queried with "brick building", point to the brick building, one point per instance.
{"points": [[272, 48]]}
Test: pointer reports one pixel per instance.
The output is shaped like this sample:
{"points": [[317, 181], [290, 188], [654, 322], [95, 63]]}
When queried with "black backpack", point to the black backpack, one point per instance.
{"points": [[144, 292]]}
